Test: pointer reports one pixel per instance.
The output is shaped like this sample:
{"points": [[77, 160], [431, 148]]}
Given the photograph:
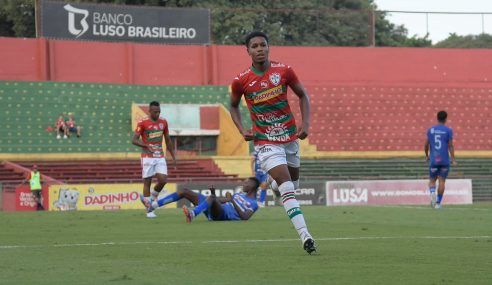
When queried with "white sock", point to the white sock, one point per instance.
{"points": [[291, 206], [274, 185]]}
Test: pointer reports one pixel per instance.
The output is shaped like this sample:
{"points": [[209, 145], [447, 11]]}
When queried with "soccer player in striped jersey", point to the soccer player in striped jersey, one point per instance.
{"points": [[275, 134], [440, 143], [240, 206], [152, 130]]}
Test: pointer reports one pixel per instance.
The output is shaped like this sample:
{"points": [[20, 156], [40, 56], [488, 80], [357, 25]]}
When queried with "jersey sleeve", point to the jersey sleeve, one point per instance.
{"points": [[236, 88], [291, 77], [139, 130]]}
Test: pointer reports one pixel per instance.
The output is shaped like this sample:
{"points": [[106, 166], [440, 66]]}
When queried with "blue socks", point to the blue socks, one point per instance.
{"points": [[432, 189], [262, 195], [173, 197], [439, 198], [201, 207]]}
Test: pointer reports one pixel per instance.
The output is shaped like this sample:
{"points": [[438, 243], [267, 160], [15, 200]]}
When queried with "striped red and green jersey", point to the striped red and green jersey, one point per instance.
{"points": [[152, 133], [266, 97]]}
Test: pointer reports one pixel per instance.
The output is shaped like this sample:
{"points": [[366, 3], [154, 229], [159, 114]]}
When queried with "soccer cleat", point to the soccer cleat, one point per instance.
{"points": [[151, 215], [261, 204], [309, 245], [437, 206], [147, 204], [58, 137], [189, 214]]}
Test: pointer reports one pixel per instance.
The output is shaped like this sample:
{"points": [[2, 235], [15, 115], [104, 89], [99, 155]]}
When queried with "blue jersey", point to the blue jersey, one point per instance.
{"points": [[260, 174], [439, 137], [243, 201]]}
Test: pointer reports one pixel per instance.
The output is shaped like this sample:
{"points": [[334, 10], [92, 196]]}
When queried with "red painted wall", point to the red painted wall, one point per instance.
{"points": [[40, 59]]}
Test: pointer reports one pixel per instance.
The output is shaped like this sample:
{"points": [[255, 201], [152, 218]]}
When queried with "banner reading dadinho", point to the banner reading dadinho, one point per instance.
{"points": [[394, 192], [124, 23], [100, 196]]}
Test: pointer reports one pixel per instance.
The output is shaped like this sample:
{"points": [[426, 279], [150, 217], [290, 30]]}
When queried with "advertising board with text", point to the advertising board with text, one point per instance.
{"points": [[100, 196], [394, 192]]}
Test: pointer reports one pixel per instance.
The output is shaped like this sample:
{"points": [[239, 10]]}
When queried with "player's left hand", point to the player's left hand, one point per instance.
{"points": [[454, 162], [302, 132]]}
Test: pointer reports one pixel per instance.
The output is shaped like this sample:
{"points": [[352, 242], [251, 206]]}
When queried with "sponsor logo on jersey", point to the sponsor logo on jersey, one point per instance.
{"points": [[275, 78], [267, 94], [277, 65], [252, 83], [271, 117], [154, 135], [277, 132]]}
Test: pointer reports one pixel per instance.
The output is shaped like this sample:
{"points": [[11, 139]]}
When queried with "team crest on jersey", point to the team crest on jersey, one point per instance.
{"points": [[275, 78], [264, 84], [161, 126], [277, 132]]}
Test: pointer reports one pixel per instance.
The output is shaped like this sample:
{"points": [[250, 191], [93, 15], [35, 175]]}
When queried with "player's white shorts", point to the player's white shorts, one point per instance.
{"points": [[153, 165], [271, 155]]}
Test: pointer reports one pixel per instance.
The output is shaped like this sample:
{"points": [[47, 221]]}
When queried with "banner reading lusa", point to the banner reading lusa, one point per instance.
{"points": [[65, 20]]}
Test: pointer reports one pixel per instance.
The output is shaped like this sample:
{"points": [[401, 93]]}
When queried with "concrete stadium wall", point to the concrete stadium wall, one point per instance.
{"points": [[146, 64]]}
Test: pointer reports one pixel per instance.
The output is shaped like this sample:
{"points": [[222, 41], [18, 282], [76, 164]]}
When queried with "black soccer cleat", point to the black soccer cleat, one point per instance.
{"points": [[309, 246]]}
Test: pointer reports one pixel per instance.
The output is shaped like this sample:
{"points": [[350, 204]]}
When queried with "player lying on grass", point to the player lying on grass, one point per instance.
{"points": [[240, 206]]}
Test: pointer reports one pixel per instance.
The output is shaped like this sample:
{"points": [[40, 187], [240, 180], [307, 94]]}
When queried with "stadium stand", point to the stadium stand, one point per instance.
{"points": [[104, 111], [122, 171], [477, 169], [395, 118]]}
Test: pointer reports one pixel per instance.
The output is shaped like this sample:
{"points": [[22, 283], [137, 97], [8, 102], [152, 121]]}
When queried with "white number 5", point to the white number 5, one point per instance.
{"points": [[437, 140]]}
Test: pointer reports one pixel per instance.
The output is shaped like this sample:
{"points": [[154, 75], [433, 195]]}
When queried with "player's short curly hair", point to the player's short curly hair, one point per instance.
{"points": [[256, 181], [154, 103], [442, 116], [253, 35]]}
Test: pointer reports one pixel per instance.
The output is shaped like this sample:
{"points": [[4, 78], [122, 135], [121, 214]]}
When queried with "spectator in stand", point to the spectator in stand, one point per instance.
{"points": [[61, 128], [71, 126], [34, 178]]}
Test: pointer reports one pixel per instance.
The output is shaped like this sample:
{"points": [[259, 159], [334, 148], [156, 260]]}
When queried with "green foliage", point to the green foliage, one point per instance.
{"points": [[303, 22], [469, 41]]}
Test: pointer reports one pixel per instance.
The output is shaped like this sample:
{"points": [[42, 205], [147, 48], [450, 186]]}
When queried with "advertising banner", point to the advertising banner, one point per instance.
{"points": [[24, 200], [100, 196], [310, 193], [65, 20], [394, 192]]}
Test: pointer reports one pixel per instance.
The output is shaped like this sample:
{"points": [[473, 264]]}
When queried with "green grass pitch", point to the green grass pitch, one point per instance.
{"points": [[356, 245]]}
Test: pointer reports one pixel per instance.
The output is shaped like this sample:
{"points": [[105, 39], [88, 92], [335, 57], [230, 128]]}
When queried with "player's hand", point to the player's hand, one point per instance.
{"points": [[248, 135], [302, 132], [454, 162], [427, 159]]}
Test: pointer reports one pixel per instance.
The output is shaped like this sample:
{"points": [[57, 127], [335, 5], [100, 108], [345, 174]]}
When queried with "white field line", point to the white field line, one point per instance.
{"points": [[235, 241], [429, 208]]}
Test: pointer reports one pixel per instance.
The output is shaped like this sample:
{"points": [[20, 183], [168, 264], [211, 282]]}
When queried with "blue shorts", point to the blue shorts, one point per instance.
{"points": [[438, 170], [228, 214]]}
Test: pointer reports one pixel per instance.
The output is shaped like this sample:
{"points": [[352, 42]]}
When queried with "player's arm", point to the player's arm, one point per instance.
{"points": [[305, 107], [426, 149], [170, 146], [451, 151], [28, 176], [235, 100], [244, 215], [138, 142]]}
